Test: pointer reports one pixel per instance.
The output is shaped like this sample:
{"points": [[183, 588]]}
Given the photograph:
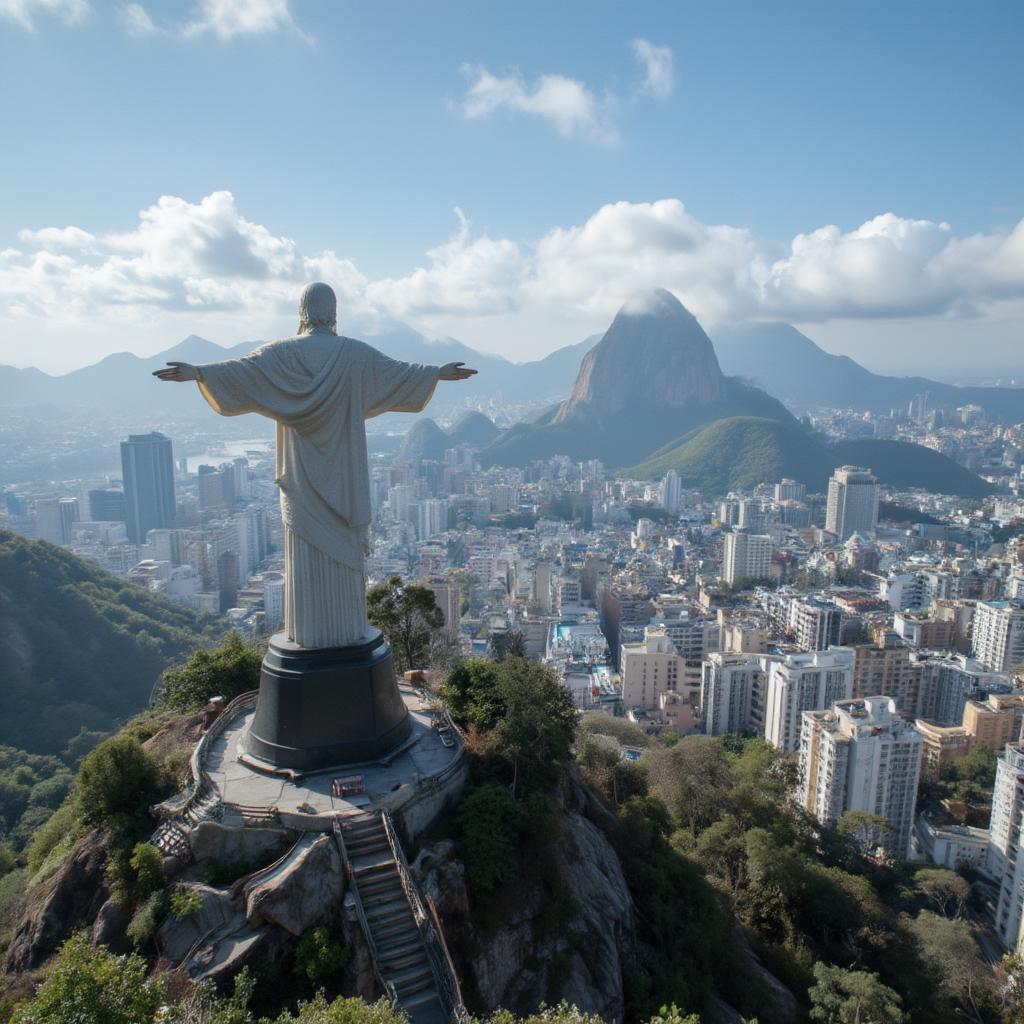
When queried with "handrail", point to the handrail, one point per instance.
{"points": [[364, 924], [441, 965]]}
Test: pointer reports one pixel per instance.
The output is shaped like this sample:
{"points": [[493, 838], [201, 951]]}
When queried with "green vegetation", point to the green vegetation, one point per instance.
{"points": [[82, 648], [970, 778], [87, 984], [320, 957], [227, 671], [852, 997], [32, 787], [738, 453], [408, 616], [117, 782]]}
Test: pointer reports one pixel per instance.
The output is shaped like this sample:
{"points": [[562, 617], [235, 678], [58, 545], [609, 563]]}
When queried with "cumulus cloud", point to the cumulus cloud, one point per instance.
{"points": [[230, 18], [23, 12], [185, 262], [656, 62], [136, 21], [565, 103]]}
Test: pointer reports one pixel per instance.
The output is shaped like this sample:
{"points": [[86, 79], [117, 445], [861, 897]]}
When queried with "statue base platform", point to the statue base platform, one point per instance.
{"points": [[325, 707]]}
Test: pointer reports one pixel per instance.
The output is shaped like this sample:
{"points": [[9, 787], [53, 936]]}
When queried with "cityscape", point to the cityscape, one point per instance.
{"points": [[511, 514]]}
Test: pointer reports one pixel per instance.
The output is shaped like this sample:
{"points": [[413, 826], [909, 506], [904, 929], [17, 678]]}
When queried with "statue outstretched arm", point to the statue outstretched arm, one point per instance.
{"points": [[179, 372]]}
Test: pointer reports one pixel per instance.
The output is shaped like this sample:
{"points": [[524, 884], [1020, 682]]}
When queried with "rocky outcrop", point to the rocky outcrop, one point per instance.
{"points": [[69, 899], [525, 963], [211, 841], [304, 889], [655, 354]]}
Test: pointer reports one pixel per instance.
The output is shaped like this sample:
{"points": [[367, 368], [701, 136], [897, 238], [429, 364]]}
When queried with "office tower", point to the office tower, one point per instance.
{"points": [[804, 682], [731, 690], [747, 556], [68, 510], [147, 468], [860, 755], [649, 669], [852, 503], [998, 640], [49, 521], [106, 505], [671, 492], [227, 580], [789, 490]]}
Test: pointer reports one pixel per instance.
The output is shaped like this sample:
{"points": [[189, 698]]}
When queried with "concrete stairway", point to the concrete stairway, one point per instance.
{"points": [[401, 955]]}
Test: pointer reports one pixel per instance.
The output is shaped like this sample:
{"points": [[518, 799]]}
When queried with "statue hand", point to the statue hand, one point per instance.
{"points": [[455, 371], [179, 372]]}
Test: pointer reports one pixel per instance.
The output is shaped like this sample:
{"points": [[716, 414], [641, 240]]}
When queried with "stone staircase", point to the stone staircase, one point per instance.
{"points": [[389, 914]]}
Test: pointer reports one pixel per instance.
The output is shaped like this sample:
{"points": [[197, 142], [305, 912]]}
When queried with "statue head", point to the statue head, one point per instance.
{"points": [[318, 309]]}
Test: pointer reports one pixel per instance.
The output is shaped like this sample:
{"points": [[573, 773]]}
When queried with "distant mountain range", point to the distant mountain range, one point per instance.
{"points": [[123, 380], [652, 396], [788, 365]]}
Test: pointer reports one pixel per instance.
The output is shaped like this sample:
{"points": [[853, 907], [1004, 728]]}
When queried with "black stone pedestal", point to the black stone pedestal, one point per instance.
{"points": [[320, 707]]}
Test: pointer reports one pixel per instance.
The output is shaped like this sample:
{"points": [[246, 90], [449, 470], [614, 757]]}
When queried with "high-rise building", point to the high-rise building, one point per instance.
{"points": [[448, 596], [431, 518], [814, 623], [273, 601], [746, 556], [649, 669], [789, 490], [885, 669], [1005, 837], [732, 688], [994, 722], [804, 682], [147, 468], [106, 505], [68, 510], [998, 638], [48, 520], [859, 755], [216, 486], [852, 503], [671, 492]]}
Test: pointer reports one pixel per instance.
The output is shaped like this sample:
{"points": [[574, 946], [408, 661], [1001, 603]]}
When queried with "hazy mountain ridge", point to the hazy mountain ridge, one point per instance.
{"points": [[789, 365]]}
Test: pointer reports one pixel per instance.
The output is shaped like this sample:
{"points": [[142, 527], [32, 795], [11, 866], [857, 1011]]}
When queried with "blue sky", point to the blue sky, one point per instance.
{"points": [[684, 144]]}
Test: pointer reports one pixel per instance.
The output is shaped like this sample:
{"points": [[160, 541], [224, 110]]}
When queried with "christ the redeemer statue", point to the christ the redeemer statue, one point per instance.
{"points": [[320, 388]]}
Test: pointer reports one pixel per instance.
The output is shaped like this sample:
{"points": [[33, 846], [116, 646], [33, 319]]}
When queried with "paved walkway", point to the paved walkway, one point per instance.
{"points": [[422, 755]]}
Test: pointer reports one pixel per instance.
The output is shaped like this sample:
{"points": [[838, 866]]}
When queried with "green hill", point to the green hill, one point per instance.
{"points": [[742, 451], [629, 435], [79, 647]]}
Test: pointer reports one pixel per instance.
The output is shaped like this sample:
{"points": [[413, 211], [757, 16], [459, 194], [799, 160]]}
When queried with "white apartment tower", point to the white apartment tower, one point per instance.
{"points": [[671, 492], [804, 682], [852, 503], [747, 555], [860, 755], [998, 639], [732, 685], [1003, 861]]}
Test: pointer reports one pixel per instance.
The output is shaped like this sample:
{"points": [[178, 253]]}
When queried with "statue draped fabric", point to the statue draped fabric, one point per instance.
{"points": [[320, 388]]}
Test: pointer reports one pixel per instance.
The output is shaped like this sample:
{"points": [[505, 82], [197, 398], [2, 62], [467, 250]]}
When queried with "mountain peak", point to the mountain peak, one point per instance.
{"points": [[655, 354]]}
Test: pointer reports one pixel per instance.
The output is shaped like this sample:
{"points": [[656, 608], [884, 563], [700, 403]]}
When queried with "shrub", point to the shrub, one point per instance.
{"points": [[148, 866], [490, 821], [117, 779], [90, 984], [227, 671], [146, 918], [320, 957], [185, 901]]}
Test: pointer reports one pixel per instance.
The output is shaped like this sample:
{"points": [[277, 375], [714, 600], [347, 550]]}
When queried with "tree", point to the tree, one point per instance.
{"points": [[953, 957], [117, 779], [839, 996], [946, 889], [408, 616], [868, 831], [694, 779], [227, 671], [91, 984], [344, 1011], [509, 643]]}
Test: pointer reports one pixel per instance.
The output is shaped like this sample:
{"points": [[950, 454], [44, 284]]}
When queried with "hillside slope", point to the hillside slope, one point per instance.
{"points": [[78, 646], [743, 451]]}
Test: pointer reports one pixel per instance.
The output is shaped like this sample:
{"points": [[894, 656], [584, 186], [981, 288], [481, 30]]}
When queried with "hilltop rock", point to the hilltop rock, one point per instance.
{"points": [[655, 354], [474, 429], [425, 440]]}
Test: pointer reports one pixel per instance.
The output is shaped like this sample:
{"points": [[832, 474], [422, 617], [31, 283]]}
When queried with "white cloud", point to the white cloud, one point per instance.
{"points": [[186, 265], [230, 18], [656, 63], [566, 104], [71, 12], [136, 21]]}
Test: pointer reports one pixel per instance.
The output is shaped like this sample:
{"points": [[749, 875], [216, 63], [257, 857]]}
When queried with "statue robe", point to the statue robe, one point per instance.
{"points": [[320, 389]]}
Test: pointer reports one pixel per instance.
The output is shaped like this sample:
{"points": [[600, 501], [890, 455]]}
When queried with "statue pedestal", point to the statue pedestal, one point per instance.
{"points": [[320, 707]]}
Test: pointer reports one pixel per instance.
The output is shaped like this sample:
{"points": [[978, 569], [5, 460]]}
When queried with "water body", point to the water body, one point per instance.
{"points": [[228, 451]]}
